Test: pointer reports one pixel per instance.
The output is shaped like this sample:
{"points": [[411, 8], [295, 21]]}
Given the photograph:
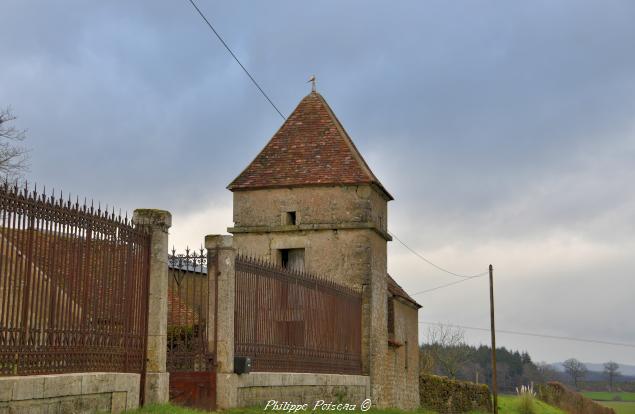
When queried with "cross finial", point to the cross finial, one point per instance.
{"points": [[313, 82]]}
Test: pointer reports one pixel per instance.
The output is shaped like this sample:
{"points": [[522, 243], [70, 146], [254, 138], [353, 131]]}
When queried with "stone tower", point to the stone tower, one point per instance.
{"points": [[309, 201]]}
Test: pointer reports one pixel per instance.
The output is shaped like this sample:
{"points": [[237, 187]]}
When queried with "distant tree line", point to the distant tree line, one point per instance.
{"points": [[513, 368], [446, 353]]}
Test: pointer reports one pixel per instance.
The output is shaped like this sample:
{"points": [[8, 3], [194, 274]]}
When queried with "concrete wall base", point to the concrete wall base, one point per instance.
{"points": [[70, 393]]}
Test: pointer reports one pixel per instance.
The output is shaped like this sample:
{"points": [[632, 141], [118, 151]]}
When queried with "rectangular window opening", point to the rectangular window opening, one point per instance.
{"points": [[292, 259]]}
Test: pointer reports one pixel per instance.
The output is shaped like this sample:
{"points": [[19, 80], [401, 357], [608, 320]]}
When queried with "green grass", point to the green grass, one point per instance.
{"points": [[625, 406], [620, 407], [506, 403], [609, 396], [165, 409], [172, 409]]}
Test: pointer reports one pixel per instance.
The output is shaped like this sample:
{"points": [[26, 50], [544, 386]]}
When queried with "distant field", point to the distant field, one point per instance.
{"points": [[625, 406], [620, 407], [609, 396]]}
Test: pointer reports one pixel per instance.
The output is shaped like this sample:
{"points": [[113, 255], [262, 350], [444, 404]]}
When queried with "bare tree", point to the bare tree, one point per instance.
{"points": [[427, 364], [611, 370], [576, 370], [446, 345], [548, 372], [13, 157]]}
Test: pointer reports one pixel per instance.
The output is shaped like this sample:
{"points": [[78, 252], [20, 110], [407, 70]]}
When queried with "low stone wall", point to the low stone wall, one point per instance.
{"points": [[258, 388], [70, 393], [445, 395], [557, 394]]}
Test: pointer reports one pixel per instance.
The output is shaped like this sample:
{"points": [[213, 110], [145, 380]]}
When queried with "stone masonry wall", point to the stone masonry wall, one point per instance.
{"points": [[256, 389], [70, 393], [402, 362], [342, 255], [313, 205]]}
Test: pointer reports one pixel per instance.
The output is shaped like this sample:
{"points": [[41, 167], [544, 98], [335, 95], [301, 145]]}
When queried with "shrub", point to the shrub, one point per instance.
{"points": [[525, 399], [445, 395], [554, 393]]}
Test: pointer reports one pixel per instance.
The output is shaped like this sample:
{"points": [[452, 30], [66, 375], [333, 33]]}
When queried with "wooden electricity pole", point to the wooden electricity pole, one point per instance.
{"points": [[491, 307]]}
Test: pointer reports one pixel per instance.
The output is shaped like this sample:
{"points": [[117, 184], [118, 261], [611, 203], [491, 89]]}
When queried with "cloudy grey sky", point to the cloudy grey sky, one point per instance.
{"points": [[505, 131]]}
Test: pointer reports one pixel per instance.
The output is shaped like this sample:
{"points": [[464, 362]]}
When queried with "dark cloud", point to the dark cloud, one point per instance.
{"points": [[505, 131]]}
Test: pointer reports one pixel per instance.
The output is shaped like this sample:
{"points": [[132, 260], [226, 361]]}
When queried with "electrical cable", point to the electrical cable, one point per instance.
{"points": [[538, 335], [236, 58]]}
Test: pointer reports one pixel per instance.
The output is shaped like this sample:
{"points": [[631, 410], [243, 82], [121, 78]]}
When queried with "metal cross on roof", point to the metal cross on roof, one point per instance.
{"points": [[313, 81]]}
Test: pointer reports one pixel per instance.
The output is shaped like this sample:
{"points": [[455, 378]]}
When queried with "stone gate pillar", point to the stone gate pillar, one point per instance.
{"points": [[221, 272], [157, 223]]}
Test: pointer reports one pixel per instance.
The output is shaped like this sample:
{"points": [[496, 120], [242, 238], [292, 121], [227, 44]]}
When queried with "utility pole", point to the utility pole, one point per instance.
{"points": [[491, 307]]}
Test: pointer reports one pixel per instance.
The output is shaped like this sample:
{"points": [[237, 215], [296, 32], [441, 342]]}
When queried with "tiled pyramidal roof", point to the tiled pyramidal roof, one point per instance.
{"points": [[311, 148]]}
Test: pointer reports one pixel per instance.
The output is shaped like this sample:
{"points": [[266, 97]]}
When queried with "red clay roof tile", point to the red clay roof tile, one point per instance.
{"points": [[395, 289], [311, 148]]}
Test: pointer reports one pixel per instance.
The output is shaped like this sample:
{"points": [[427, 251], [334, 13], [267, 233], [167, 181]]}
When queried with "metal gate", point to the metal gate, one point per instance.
{"points": [[189, 362]]}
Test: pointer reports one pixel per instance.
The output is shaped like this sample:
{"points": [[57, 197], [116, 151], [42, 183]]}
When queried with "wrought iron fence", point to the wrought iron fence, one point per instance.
{"points": [[188, 312], [73, 287], [290, 321]]}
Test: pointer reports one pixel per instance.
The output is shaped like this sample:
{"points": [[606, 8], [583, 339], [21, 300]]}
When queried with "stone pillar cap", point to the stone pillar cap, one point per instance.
{"points": [[221, 241], [152, 217]]}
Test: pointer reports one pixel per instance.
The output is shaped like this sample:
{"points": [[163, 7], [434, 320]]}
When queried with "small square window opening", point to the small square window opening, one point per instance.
{"points": [[291, 218]]}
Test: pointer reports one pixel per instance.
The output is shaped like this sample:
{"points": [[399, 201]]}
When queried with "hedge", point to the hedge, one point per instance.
{"points": [[554, 393], [450, 396]]}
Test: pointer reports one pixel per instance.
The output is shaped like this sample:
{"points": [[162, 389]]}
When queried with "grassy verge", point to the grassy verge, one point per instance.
{"points": [[507, 404]]}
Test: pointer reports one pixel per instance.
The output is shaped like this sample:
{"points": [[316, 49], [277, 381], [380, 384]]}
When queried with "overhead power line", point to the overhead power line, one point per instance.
{"points": [[220, 38], [420, 256], [537, 335], [236, 58], [449, 284]]}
